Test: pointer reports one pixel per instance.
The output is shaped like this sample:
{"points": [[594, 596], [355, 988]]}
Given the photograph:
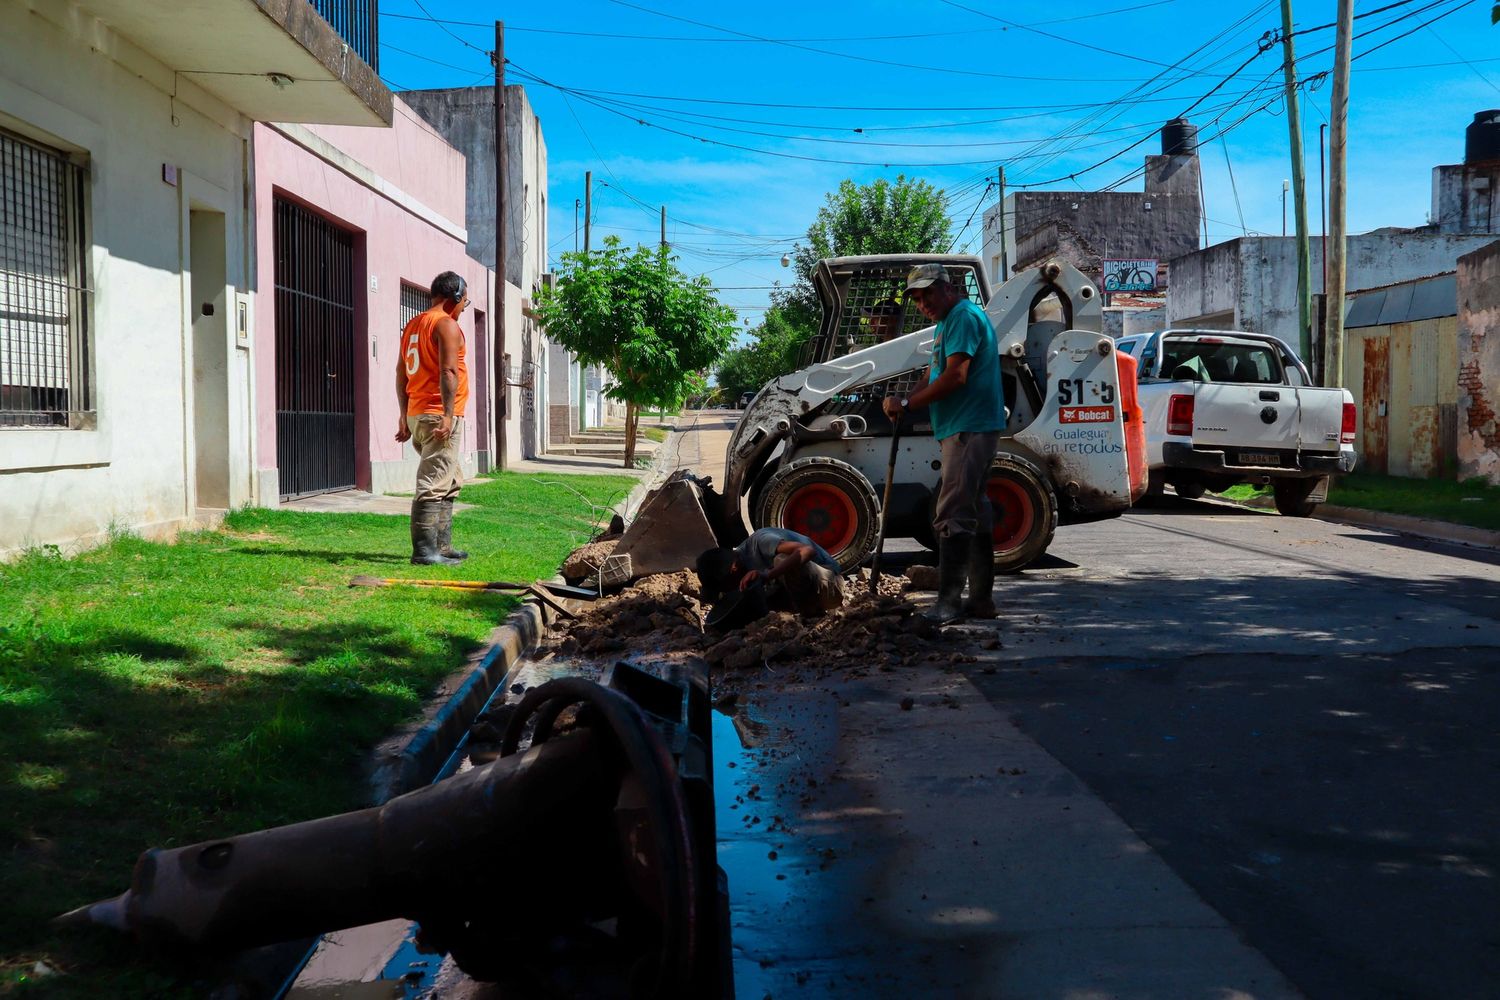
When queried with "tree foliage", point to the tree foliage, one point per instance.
{"points": [[772, 352], [907, 215], [634, 313]]}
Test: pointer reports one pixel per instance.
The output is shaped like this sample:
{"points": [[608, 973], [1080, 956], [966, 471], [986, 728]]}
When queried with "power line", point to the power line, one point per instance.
{"points": [[838, 55], [906, 37]]}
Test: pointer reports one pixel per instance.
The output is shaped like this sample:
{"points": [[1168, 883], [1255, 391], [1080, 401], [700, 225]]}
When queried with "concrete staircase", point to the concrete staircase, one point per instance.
{"points": [[604, 442]]}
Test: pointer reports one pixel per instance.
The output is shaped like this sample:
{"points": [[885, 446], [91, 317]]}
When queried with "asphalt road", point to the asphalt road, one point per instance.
{"points": [[1302, 719]]}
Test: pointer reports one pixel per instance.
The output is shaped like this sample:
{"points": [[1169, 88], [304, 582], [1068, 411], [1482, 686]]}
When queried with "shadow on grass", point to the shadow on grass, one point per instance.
{"points": [[327, 555], [114, 741]]}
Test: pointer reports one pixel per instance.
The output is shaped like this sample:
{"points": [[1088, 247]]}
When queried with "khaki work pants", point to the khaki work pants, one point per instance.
{"points": [[440, 473], [962, 506], [813, 589]]}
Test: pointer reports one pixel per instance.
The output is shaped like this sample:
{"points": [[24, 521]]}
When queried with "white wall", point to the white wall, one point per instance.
{"points": [[71, 83], [1254, 279]]}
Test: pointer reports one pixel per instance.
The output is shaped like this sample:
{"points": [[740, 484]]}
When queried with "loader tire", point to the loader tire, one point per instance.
{"points": [[1025, 512], [1292, 497], [829, 501]]}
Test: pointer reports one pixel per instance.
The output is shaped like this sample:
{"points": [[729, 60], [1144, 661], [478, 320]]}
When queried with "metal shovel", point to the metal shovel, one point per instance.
{"points": [[885, 504]]}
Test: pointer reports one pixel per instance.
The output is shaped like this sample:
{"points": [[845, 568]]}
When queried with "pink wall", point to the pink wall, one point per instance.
{"points": [[394, 245], [411, 155]]}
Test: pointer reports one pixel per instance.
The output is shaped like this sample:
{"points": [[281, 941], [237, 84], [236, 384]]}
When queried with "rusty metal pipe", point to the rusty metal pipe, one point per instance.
{"points": [[429, 854]]}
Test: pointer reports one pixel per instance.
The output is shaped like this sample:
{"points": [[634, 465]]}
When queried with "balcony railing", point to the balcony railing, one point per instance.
{"points": [[357, 22]]}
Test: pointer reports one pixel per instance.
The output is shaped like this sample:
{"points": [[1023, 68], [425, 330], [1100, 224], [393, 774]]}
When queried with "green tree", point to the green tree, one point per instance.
{"points": [[908, 215], [773, 351], [633, 312]]}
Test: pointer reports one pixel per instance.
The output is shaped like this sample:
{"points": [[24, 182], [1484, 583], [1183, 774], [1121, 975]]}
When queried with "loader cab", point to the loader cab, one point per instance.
{"points": [[863, 303]]}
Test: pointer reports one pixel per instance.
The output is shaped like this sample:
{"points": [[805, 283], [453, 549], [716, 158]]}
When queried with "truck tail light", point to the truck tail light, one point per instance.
{"points": [[1350, 417], [1180, 415]]}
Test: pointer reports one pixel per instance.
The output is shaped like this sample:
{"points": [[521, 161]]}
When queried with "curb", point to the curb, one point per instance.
{"points": [[1421, 527], [411, 760], [1405, 524]]}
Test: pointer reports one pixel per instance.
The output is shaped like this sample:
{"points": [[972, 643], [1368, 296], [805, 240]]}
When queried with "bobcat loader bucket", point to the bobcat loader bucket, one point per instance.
{"points": [[675, 523]]}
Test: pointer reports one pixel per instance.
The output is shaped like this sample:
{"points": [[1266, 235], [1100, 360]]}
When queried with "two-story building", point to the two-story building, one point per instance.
{"points": [[129, 294]]}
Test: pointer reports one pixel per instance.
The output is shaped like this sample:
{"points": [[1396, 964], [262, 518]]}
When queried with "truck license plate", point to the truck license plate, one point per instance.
{"points": [[1259, 458]]}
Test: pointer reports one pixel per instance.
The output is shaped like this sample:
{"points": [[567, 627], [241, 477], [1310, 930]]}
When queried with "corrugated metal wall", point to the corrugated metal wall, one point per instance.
{"points": [[1404, 377]]}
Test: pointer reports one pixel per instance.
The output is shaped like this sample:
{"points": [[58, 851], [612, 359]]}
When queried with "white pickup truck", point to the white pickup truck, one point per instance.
{"points": [[1223, 407]]}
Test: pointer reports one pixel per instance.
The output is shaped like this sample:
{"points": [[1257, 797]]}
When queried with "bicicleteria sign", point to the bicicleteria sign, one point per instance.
{"points": [[1129, 275]]}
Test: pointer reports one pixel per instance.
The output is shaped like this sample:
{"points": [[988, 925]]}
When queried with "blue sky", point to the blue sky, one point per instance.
{"points": [[747, 109]]}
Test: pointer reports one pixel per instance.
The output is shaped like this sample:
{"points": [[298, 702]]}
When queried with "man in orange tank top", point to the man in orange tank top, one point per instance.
{"points": [[432, 387]]}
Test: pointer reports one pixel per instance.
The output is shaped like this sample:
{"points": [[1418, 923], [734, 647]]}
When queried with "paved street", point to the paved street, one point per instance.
{"points": [[1217, 748], [1301, 718]]}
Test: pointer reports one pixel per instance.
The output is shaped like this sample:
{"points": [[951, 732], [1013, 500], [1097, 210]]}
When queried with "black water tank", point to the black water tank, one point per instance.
{"points": [[1179, 137], [1482, 138]]}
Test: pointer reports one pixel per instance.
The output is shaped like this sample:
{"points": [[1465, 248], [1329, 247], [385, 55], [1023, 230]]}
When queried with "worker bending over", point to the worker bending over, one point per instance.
{"points": [[798, 574]]}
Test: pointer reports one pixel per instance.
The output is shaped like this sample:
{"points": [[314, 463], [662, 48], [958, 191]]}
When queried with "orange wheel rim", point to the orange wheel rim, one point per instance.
{"points": [[1015, 514], [823, 513]]}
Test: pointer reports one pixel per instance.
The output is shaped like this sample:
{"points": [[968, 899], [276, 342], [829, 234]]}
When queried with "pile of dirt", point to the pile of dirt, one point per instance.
{"points": [[656, 613], [586, 560], [663, 615]]}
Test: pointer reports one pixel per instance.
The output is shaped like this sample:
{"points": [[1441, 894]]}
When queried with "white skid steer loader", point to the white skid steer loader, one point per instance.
{"points": [[810, 452]]}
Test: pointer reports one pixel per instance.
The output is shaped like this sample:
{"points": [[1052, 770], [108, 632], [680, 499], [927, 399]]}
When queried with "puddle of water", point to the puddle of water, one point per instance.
{"points": [[788, 902]]}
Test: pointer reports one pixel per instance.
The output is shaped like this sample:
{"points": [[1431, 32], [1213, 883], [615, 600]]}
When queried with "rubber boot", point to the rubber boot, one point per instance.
{"points": [[445, 532], [953, 560], [981, 600], [424, 535]]}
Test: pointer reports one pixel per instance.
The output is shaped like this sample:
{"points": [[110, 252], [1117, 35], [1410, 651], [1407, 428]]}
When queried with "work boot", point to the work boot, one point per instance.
{"points": [[953, 558], [424, 535], [981, 600], [445, 532]]}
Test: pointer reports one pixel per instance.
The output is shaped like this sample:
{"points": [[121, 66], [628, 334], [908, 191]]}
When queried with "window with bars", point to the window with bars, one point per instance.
{"points": [[45, 350], [414, 300]]}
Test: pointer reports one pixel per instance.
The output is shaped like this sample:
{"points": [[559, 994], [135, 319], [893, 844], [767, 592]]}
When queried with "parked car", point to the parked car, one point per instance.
{"points": [[745, 398], [1225, 406]]}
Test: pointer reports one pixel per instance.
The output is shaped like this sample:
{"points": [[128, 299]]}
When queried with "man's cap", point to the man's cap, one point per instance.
{"points": [[885, 307], [924, 275]]}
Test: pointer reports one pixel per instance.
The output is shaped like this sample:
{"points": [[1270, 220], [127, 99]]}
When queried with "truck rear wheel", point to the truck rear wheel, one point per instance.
{"points": [[1025, 513], [1292, 496], [829, 501]]}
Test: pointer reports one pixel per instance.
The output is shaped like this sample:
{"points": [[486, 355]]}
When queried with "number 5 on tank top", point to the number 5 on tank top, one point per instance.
{"points": [[413, 360]]}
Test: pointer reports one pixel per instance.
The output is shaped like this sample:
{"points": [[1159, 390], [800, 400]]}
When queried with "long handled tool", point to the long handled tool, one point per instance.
{"points": [[497, 585], [885, 504]]}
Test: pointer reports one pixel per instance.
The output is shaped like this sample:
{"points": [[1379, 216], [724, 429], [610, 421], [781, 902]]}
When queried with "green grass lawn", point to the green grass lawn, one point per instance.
{"points": [[157, 695], [1473, 503]]}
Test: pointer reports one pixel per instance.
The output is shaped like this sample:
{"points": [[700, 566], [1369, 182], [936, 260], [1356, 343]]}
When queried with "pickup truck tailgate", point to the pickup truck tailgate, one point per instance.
{"points": [[1322, 418], [1246, 418]]}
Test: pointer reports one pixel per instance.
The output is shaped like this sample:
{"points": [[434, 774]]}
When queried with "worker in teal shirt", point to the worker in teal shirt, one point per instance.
{"points": [[967, 407]]}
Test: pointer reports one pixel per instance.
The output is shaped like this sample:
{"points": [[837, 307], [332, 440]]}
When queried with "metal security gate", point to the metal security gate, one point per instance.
{"points": [[314, 353]]}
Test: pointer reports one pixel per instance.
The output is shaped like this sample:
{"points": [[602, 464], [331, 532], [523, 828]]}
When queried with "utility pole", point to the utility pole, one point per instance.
{"points": [[664, 227], [1338, 148], [1004, 262], [576, 203], [588, 212], [497, 321], [1323, 199], [1299, 185]]}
